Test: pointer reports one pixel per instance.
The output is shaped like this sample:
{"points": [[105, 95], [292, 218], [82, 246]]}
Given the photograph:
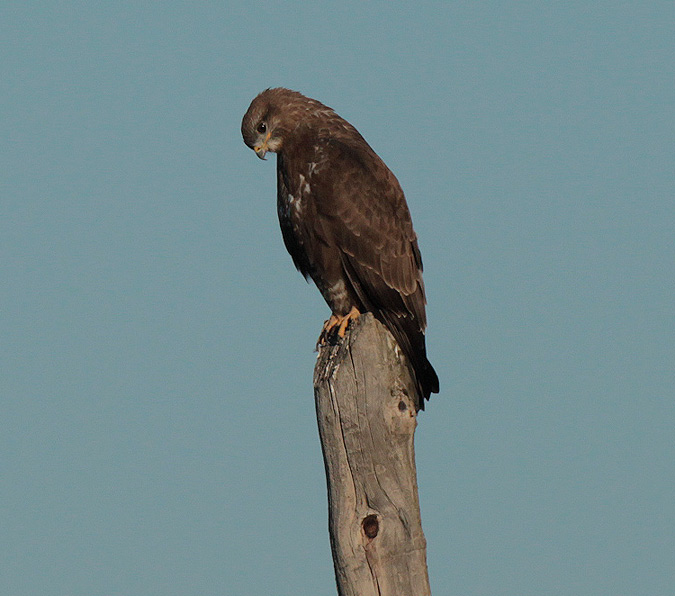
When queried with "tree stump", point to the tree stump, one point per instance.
{"points": [[365, 405]]}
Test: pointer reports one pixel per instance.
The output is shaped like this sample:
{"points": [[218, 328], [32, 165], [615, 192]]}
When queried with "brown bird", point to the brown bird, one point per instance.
{"points": [[344, 220]]}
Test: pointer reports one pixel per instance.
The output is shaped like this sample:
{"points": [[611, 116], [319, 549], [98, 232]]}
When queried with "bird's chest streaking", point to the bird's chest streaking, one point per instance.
{"points": [[313, 250]]}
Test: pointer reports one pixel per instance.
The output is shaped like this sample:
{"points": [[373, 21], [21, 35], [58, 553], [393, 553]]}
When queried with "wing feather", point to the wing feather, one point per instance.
{"points": [[364, 213], [372, 224]]}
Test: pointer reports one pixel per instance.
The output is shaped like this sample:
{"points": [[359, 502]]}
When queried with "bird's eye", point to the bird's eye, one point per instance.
{"points": [[262, 127]]}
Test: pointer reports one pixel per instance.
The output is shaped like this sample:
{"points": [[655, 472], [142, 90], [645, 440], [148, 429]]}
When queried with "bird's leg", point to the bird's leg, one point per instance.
{"points": [[339, 321], [327, 327], [330, 324], [352, 315]]}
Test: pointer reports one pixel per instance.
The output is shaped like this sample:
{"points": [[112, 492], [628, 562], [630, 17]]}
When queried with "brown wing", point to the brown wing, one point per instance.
{"points": [[363, 210]]}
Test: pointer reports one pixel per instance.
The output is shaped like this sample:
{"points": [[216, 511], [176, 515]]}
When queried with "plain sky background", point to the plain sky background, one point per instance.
{"points": [[157, 426]]}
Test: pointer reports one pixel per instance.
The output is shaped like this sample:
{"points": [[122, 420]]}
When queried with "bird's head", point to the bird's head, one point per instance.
{"points": [[278, 116], [262, 126]]}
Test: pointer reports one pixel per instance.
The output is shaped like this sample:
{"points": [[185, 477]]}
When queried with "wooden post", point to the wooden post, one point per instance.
{"points": [[365, 409]]}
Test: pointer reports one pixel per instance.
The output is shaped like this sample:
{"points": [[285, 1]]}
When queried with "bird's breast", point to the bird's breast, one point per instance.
{"points": [[296, 197], [290, 207]]}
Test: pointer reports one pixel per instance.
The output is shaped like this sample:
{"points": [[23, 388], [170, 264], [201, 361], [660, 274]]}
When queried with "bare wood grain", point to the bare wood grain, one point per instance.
{"points": [[365, 409]]}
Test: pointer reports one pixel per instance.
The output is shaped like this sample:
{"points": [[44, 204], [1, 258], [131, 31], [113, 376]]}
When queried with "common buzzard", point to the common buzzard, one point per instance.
{"points": [[344, 220]]}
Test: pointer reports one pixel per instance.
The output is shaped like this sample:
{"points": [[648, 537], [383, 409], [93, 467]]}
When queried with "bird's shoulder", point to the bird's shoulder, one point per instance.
{"points": [[342, 167]]}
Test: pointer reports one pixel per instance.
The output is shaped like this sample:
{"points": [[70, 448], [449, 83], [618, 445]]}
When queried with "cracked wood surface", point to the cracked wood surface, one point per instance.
{"points": [[365, 409]]}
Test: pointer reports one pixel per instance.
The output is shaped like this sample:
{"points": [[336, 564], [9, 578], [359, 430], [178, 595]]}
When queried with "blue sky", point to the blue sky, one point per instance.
{"points": [[157, 427]]}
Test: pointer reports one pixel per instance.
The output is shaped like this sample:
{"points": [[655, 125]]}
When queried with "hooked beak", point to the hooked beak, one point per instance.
{"points": [[261, 150]]}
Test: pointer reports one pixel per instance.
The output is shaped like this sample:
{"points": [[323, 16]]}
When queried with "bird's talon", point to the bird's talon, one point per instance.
{"points": [[344, 323], [339, 322]]}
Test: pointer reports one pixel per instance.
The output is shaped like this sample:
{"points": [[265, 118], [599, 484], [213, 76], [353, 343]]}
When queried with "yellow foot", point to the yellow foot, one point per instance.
{"points": [[353, 314], [339, 321]]}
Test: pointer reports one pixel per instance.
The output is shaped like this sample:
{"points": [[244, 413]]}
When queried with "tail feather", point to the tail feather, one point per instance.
{"points": [[411, 340]]}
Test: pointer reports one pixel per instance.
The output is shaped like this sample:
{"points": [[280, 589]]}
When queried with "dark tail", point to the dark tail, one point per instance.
{"points": [[411, 339]]}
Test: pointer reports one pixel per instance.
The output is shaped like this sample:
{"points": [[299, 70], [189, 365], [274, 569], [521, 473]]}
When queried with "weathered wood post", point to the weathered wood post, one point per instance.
{"points": [[365, 408]]}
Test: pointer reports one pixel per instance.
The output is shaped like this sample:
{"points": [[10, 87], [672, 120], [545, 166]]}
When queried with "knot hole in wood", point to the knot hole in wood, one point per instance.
{"points": [[370, 526]]}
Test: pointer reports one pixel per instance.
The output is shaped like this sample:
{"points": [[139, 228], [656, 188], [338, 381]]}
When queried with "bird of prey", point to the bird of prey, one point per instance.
{"points": [[344, 220]]}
